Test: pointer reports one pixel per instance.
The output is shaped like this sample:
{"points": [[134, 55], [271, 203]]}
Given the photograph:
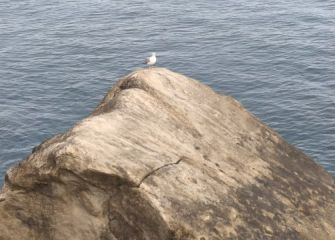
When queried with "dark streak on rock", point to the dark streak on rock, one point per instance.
{"points": [[157, 169]]}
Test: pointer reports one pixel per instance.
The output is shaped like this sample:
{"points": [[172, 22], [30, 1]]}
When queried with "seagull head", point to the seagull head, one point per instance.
{"points": [[154, 54]]}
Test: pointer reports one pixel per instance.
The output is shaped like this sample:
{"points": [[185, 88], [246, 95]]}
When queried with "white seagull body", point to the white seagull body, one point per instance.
{"points": [[151, 60]]}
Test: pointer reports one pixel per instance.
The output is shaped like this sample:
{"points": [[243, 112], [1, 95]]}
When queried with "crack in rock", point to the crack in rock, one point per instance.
{"points": [[157, 169]]}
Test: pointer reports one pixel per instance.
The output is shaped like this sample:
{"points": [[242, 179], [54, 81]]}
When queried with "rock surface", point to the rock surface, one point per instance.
{"points": [[165, 157]]}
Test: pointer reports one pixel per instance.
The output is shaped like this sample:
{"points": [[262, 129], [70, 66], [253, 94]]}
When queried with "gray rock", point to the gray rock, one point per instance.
{"points": [[165, 157]]}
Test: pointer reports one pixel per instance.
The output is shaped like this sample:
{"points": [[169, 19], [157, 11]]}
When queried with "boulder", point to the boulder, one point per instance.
{"points": [[165, 157]]}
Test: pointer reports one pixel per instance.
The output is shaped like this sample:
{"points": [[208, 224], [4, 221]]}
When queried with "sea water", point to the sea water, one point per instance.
{"points": [[58, 58]]}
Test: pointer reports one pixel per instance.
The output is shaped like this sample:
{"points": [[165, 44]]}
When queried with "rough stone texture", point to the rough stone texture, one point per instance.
{"points": [[165, 157]]}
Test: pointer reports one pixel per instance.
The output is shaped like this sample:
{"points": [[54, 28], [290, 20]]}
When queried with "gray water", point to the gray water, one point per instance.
{"points": [[59, 58]]}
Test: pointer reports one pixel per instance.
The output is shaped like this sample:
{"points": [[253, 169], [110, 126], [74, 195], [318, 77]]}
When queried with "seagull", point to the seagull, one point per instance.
{"points": [[151, 60]]}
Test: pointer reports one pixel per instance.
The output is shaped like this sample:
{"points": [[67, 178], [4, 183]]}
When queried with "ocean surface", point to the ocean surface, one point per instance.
{"points": [[59, 58]]}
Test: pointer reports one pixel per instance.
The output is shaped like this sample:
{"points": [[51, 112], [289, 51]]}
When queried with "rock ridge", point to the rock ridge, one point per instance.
{"points": [[165, 157]]}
